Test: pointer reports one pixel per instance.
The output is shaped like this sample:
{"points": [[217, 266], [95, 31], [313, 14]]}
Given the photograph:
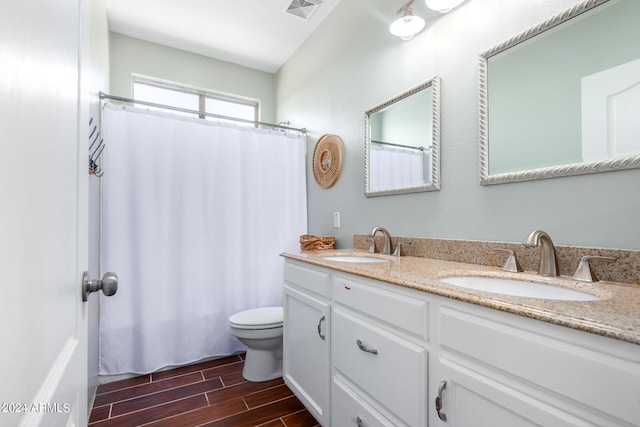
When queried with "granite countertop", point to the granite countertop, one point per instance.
{"points": [[615, 315]]}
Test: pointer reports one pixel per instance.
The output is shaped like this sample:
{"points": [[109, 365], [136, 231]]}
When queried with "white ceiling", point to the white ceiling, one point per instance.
{"points": [[254, 33]]}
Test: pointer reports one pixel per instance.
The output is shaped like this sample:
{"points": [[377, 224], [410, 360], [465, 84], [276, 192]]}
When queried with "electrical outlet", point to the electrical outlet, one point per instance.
{"points": [[336, 220]]}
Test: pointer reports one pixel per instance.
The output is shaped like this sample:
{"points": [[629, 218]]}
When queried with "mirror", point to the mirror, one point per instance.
{"points": [[402, 142], [563, 97]]}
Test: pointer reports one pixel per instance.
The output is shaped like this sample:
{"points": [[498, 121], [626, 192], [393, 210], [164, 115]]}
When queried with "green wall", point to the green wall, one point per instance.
{"points": [[134, 56], [352, 63]]}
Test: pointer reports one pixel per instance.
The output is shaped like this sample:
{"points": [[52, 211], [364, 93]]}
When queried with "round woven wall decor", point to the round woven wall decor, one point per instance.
{"points": [[327, 160]]}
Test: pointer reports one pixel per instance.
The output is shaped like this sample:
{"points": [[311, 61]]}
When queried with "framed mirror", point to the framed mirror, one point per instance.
{"points": [[402, 142], [563, 97]]}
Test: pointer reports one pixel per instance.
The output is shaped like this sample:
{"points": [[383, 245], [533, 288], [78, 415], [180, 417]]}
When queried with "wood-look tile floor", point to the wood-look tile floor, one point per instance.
{"points": [[211, 393]]}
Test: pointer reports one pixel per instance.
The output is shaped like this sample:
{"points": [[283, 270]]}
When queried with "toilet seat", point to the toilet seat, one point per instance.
{"points": [[258, 318]]}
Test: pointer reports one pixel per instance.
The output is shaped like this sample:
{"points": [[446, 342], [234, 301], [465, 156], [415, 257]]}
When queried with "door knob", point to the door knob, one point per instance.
{"points": [[108, 284]]}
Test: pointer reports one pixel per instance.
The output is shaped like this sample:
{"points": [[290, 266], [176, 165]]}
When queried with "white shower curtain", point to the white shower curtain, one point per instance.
{"points": [[395, 167], [195, 215]]}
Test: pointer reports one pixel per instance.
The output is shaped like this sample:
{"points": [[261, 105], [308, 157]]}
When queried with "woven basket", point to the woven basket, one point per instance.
{"points": [[313, 243]]}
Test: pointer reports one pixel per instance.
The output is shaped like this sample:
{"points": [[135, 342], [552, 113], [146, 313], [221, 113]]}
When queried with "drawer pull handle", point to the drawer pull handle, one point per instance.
{"points": [[320, 334], [359, 422], [441, 388], [365, 349]]}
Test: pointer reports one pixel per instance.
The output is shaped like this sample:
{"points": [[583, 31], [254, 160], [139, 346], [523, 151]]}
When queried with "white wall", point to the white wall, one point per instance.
{"points": [[352, 63], [130, 55]]}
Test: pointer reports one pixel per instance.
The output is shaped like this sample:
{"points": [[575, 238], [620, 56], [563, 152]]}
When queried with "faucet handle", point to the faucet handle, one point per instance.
{"points": [[512, 265], [372, 246], [584, 273], [397, 251]]}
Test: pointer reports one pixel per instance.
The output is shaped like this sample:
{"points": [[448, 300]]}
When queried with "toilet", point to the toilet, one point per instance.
{"points": [[260, 329]]}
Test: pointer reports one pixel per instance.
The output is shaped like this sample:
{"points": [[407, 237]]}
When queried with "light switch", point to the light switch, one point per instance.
{"points": [[336, 220]]}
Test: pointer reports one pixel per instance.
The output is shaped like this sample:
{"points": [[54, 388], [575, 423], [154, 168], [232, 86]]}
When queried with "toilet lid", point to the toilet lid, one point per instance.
{"points": [[258, 318]]}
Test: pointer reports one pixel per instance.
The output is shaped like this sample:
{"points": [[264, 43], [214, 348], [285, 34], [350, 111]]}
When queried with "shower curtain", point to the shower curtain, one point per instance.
{"points": [[195, 215], [395, 167]]}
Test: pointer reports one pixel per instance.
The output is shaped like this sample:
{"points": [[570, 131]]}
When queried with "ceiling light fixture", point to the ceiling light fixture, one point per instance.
{"points": [[407, 25], [442, 6]]}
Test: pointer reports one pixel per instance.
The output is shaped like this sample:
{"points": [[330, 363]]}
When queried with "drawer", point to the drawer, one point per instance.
{"points": [[540, 353], [349, 409], [388, 368], [307, 278], [401, 311]]}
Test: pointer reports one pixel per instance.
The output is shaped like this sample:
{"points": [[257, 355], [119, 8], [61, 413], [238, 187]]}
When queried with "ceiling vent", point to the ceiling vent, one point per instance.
{"points": [[302, 8]]}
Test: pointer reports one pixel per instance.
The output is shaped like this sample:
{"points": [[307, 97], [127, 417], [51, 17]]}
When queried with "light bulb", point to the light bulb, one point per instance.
{"points": [[407, 26], [442, 6]]}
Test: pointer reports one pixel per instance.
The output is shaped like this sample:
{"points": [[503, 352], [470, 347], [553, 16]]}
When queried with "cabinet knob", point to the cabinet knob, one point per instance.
{"points": [[359, 422], [441, 388]]}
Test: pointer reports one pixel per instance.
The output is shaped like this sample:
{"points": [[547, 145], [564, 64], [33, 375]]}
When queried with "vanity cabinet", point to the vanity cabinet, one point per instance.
{"points": [[306, 338], [496, 368], [378, 355], [394, 356]]}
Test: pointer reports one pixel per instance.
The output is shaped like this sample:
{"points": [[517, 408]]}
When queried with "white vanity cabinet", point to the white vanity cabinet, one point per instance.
{"points": [[306, 338], [390, 352], [503, 369], [378, 354]]}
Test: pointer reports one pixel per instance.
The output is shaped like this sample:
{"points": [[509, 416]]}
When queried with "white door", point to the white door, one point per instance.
{"points": [[610, 103], [43, 215]]}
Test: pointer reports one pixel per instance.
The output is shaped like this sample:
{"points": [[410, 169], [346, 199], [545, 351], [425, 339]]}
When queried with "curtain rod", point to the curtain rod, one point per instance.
{"points": [[199, 113], [399, 145]]}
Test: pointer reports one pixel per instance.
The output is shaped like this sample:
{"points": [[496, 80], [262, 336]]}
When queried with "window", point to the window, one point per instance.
{"points": [[196, 100]]}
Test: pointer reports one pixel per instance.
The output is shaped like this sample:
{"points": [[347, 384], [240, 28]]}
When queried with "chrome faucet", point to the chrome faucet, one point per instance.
{"points": [[548, 264], [386, 249]]}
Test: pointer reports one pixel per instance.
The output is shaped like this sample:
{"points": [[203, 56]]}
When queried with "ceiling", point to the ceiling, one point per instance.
{"points": [[254, 33]]}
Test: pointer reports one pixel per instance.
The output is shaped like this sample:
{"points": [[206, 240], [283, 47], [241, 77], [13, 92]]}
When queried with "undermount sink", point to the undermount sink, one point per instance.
{"points": [[355, 259], [518, 288]]}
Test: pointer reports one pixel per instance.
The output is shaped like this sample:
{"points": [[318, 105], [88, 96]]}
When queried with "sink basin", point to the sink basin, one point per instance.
{"points": [[518, 288], [355, 258]]}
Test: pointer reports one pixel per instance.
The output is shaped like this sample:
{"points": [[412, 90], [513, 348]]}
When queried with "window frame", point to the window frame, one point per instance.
{"points": [[202, 94]]}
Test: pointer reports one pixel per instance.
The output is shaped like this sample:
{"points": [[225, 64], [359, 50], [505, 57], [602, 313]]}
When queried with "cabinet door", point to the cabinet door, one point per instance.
{"points": [[471, 399], [306, 364], [595, 378], [382, 365]]}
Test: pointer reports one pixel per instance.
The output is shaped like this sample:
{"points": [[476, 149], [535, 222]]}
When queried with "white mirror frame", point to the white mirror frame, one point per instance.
{"points": [[630, 162], [434, 183]]}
